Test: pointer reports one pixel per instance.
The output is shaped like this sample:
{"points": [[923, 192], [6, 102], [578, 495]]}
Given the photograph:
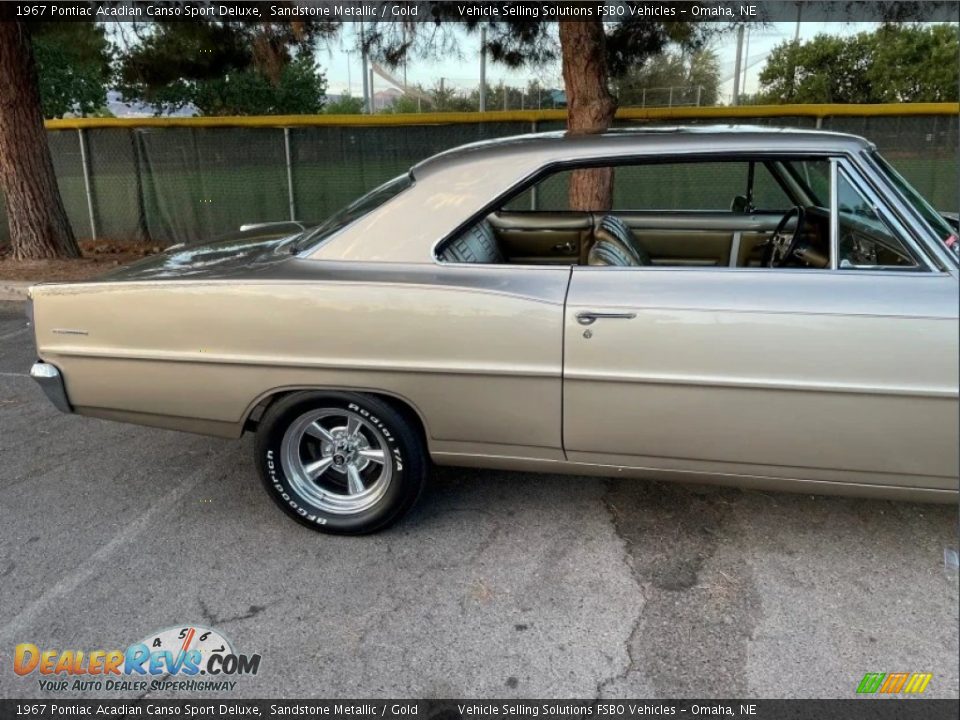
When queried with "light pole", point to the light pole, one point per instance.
{"points": [[746, 62], [483, 68], [793, 53], [736, 68], [367, 104], [349, 84], [372, 108]]}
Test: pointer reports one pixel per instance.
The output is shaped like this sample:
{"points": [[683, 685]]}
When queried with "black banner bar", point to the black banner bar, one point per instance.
{"points": [[855, 709], [491, 10]]}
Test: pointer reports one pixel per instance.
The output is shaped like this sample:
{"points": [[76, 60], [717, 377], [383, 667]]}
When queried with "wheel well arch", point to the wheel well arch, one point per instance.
{"points": [[403, 405]]}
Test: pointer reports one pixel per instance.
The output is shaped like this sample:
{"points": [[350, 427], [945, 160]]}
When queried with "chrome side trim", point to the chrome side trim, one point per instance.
{"points": [[834, 216], [351, 364], [761, 384], [51, 382]]}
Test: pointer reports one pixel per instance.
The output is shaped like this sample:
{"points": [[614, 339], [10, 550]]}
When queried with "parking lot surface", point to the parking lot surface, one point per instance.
{"points": [[497, 585]]}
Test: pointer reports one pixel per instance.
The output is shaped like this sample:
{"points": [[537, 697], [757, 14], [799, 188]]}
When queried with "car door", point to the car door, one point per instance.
{"points": [[840, 375]]}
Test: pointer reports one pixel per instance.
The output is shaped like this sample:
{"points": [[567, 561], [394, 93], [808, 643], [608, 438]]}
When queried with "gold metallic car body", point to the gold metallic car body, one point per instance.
{"points": [[819, 381]]}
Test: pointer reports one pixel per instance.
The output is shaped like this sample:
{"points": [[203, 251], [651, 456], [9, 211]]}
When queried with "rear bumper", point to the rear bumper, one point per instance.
{"points": [[51, 382]]}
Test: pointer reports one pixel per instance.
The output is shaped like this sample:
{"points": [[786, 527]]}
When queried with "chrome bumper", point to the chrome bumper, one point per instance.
{"points": [[51, 382]]}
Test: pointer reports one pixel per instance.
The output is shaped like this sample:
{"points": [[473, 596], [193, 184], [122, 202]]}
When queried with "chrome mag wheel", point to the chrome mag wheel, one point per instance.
{"points": [[336, 460]]}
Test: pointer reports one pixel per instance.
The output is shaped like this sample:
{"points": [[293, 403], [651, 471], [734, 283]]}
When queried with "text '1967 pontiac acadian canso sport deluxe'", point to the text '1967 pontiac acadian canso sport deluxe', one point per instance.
{"points": [[759, 307]]}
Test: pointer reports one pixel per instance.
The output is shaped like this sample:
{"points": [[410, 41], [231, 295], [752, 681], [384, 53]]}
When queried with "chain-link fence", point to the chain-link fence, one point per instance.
{"points": [[185, 183], [641, 96]]}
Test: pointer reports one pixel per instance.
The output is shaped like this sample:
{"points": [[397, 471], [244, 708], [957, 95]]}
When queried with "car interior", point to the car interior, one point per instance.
{"points": [[713, 214]]}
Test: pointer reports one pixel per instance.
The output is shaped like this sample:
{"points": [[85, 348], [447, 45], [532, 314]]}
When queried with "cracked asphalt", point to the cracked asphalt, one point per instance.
{"points": [[497, 585]]}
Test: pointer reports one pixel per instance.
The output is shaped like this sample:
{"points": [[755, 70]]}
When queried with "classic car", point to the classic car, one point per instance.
{"points": [[766, 308]]}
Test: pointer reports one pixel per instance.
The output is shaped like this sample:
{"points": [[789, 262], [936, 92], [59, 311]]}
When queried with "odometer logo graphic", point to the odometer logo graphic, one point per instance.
{"points": [[189, 650]]}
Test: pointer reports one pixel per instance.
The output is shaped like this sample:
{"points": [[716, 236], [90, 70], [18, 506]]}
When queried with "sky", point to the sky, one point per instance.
{"points": [[342, 64]]}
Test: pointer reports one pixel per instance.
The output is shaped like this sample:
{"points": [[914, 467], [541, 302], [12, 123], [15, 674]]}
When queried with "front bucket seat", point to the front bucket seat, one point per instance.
{"points": [[615, 244]]}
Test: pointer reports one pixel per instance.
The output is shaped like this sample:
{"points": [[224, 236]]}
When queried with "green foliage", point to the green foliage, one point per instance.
{"points": [[298, 91], [407, 104], [226, 68], [826, 69], [346, 105], [896, 63], [449, 99], [915, 64], [648, 83], [73, 67], [496, 95]]}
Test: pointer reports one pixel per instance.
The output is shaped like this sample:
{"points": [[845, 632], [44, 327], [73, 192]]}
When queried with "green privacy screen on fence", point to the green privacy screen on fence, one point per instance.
{"points": [[184, 183]]}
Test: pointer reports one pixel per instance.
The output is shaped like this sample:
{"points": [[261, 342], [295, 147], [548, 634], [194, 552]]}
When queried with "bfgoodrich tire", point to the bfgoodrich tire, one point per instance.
{"points": [[340, 462]]}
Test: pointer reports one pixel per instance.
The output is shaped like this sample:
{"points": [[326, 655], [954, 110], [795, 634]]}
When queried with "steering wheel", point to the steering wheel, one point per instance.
{"points": [[781, 246]]}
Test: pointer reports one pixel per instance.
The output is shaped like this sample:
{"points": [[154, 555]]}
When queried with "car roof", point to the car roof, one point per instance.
{"points": [[566, 146]]}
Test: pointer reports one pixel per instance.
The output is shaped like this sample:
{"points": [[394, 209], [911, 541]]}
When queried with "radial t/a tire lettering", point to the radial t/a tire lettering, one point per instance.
{"points": [[339, 462]]}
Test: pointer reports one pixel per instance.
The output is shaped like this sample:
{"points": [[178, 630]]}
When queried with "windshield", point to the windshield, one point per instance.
{"points": [[354, 211], [934, 219]]}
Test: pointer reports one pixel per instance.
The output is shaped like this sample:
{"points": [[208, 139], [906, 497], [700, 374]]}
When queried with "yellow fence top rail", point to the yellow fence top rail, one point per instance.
{"points": [[530, 116]]}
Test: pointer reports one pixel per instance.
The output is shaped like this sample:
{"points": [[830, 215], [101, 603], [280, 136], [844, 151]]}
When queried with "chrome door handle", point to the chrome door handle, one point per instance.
{"points": [[588, 318]]}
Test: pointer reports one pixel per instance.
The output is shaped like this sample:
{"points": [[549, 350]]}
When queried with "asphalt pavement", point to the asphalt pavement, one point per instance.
{"points": [[497, 585]]}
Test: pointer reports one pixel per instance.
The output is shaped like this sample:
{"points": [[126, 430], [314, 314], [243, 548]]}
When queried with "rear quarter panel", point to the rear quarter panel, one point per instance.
{"points": [[476, 351]]}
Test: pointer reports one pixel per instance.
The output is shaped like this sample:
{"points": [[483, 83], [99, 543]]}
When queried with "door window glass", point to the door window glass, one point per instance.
{"points": [[767, 213], [767, 193]]}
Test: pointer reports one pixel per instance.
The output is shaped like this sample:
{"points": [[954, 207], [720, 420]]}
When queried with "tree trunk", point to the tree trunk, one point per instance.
{"points": [[590, 106], [38, 222]]}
